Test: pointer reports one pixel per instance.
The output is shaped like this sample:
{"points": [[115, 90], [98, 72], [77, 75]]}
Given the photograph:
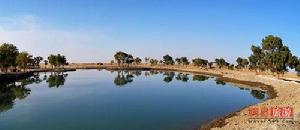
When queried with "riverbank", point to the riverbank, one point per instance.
{"points": [[282, 93]]}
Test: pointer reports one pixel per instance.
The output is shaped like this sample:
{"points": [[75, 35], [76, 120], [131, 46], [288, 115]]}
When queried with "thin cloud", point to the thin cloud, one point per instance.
{"points": [[28, 33]]}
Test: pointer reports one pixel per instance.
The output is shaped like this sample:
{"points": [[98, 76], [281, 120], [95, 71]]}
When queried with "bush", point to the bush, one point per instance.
{"points": [[298, 69]]}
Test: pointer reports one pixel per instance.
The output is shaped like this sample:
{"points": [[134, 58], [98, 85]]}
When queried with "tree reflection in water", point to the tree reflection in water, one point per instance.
{"points": [[123, 78], [169, 76], [258, 94], [182, 77], [56, 79], [9, 92], [220, 82], [200, 78]]}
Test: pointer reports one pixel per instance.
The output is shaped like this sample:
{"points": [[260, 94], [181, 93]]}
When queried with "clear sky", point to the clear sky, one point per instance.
{"points": [[93, 30]]}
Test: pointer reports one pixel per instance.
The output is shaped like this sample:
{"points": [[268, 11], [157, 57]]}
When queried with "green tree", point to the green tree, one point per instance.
{"points": [[184, 61], [221, 62], [153, 62], [37, 60], [245, 63], [239, 61], [52, 60], [120, 57], [178, 60], [128, 59], [137, 60], [22, 60], [61, 60], [8, 55], [57, 60], [293, 62], [256, 58], [273, 56], [200, 62], [298, 69], [276, 54], [168, 60]]}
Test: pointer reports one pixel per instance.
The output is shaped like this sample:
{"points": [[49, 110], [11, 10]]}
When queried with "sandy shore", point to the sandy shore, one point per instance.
{"points": [[287, 95]]}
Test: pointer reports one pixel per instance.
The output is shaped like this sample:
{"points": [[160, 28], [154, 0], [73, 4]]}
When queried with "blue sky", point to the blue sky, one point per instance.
{"points": [[93, 30]]}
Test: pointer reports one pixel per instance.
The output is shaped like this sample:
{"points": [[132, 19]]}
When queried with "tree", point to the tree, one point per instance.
{"points": [[8, 55], [178, 60], [128, 59], [239, 61], [276, 54], [256, 58], [200, 62], [120, 57], [184, 61], [45, 63], [153, 62], [221, 62], [273, 56], [37, 60], [244, 63], [147, 59], [210, 64], [298, 69], [52, 60], [112, 62], [293, 62], [137, 60], [60, 60], [168, 60], [161, 62], [57, 60], [22, 60]]}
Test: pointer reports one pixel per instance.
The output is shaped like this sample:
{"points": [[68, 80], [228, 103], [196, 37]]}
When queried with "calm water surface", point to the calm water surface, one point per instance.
{"points": [[124, 100]]}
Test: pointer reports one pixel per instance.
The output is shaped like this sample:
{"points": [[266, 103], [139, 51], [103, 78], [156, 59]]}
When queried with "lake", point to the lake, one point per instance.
{"points": [[119, 100]]}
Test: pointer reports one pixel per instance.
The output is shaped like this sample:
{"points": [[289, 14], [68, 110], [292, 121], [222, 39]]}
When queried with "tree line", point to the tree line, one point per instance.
{"points": [[13, 60], [271, 56]]}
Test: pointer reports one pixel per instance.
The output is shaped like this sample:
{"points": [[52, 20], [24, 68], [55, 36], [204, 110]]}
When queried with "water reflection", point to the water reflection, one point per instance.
{"points": [[220, 82], [200, 78], [125, 77], [56, 79], [169, 76], [9, 92], [182, 77], [258, 94]]}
